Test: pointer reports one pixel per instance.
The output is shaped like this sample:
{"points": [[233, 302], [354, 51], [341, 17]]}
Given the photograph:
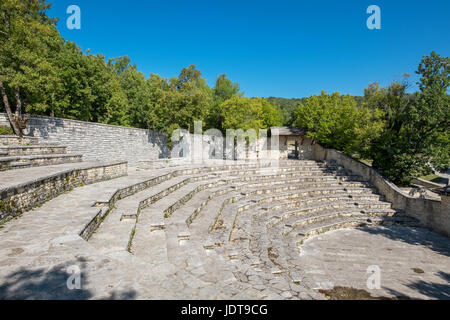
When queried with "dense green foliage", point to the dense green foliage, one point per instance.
{"points": [[288, 108], [406, 135], [46, 75], [416, 133], [336, 121]]}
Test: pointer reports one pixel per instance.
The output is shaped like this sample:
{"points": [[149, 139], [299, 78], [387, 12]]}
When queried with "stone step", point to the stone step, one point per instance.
{"points": [[15, 140], [127, 212], [209, 195], [240, 230], [27, 188], [321, 217], [373, 205], [131, 207], [307, 202], [286, 217], [177, 247], [395, 220], [311, 230], [31, 150], [169, 174], [230, 208], [164, 206], [8, 163], [241, 226], [188, 254], [149, 242], [349, 222], [249, 189], [113, 233], [132, 204], [310, 192], [280, 170], [18, 165], [355, 190], [260, 191]]}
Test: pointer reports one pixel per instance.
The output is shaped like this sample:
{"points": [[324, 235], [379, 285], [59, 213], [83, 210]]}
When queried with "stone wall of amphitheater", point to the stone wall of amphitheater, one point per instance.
{"points": [[115, 143], [433, 214], [97, 141]]}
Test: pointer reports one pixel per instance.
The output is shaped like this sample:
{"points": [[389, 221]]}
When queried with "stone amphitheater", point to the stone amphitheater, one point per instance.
{"points": [[285, 229]]}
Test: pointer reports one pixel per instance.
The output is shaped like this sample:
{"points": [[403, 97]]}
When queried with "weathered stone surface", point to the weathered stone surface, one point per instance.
{"points": [[341, 258], [219, 232], [97, 142], [19, 193]]}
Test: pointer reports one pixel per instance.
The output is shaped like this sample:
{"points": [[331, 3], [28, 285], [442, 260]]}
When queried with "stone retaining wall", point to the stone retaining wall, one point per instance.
{"points": [[97, 142], [18, 199], [433, 214]]}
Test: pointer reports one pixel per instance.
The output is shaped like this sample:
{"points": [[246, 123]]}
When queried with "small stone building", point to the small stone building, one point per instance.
{"points": [[293, 143]]}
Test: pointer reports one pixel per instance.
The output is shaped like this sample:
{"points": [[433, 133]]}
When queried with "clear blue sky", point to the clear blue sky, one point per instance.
{"points": [[272, 48]]}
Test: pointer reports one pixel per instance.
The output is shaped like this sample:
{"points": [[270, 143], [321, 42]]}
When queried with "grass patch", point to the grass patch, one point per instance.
{"points": [[418, 270], [130, 241], [6, 131], [345, 293], [434, 178], [369, 162]]}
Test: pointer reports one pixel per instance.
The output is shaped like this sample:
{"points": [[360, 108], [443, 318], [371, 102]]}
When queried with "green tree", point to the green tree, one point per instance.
{"points": [[249, 113], [416, 132], [335, 121], [179, 102], [225, 89], [288, 108], [87, 89], [136, 89], [271, 115], [242, 113]]}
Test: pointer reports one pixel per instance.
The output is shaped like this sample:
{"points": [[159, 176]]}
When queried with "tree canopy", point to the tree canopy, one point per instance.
{"points": [[337, 122], [43, 74], [405, 134], [415, 137]]}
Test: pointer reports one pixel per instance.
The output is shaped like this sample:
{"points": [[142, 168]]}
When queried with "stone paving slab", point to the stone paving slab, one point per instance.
{"points": [[12, 178], [341, 258], [182, 261]]}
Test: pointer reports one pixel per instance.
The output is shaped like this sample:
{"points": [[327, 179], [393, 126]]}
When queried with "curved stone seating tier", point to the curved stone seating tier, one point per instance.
{"points": [[238, 225], [15, 140], [17, 162], [22, 190], [26, 152], [46, 171], [10, 151]]}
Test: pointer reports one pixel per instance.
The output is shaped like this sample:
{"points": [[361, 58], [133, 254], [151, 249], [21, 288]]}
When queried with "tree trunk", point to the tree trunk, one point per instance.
{"points": [[19, 104], [8, 110]]}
